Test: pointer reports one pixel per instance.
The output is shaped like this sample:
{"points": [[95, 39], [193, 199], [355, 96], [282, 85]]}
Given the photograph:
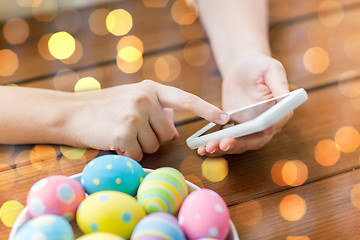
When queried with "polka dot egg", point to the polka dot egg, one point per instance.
{"points": [[56, 194], [110, 212], [204, 214], [100, 236], [158, 226], [112, 172], [46, 227], [163, 190]]}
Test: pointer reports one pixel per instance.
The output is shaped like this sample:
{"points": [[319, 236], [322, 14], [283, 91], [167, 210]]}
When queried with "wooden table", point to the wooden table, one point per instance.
{"points": [[304, 184]]}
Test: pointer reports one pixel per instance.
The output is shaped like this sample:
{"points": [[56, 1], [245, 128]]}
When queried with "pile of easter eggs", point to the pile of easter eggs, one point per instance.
{"points": [[116, 200]]}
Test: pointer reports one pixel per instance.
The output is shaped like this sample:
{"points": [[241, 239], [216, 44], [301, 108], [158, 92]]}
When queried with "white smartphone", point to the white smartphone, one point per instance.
{"points": [[251, 119]]}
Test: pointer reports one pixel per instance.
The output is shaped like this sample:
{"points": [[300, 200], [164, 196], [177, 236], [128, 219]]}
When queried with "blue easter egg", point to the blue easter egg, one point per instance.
{"points": [[112, 172], [46, 227]]}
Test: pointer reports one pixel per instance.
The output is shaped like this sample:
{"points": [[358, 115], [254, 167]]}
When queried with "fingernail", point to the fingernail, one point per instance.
{"points": [[213, 151], [224, 118], [227, 149]]}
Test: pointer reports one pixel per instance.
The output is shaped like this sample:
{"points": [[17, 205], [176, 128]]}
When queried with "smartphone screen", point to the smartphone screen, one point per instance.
{"points": [[245, 115]]}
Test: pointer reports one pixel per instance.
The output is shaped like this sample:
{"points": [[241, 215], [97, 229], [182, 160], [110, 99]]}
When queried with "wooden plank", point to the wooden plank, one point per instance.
{"points": [[326, 209]]}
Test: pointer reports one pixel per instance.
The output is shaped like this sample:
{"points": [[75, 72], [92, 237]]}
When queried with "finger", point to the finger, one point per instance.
{"points": [[147, 139], [201, 150], [171, 97], [212, 146], [251, 142], [161, 125], [227, 144], [130, 147], [276, 80], [169, 113]]}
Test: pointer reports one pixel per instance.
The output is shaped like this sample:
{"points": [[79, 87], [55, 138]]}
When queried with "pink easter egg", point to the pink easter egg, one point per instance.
{"points": [[56, 194], [204, 214]]}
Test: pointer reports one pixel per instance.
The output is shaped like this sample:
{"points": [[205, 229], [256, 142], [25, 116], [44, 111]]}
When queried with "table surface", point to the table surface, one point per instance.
{"points": [[304, 184]]}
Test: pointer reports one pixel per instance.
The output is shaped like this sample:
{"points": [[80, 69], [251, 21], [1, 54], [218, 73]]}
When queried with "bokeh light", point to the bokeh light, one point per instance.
{"points": [[330, 19], [130, 41], [61, 45], [125, 57], [352, 46], [7, 177], [28, 3], [276, 173], [155, 3], [68, 21], [294, 173], [184, 13], [16, 30], [347, 138], [292, 207], [283, 37], [44, 11], [9, 62], [72, 153], [355, 196], [250, 213], [43, 47], [76, 56], [43, 157], [97, 21], [196, 53], [119, 22], [129, 54], [87, 84], [350, 88], [65, 80], [327, 152], [9, 212], [167, 68], [215, 169], [316, 60]]}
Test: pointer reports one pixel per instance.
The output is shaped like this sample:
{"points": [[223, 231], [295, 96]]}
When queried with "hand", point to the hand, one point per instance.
{"points": [[256, 79], [132, 119]]}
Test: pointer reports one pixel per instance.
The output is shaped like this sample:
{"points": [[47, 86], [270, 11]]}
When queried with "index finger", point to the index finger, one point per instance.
{"points": [[171, 97]]}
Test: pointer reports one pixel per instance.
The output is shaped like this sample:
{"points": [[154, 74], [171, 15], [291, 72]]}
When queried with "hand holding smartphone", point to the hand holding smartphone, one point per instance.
{"points": [[250, 119]]}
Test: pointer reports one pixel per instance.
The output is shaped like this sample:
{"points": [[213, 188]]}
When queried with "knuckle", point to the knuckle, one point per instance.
{"points": [[187, 101]]}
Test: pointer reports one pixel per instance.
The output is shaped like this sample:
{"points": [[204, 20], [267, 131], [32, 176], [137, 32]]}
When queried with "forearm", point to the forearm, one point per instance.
{"points": [[236, 28], [34, 115]]}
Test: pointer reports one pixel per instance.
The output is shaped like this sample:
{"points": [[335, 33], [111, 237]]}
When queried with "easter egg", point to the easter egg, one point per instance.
{"points": [[158, 226], [204, 214], [46, 227], [112, 172], [110, 212], [100, 236], [56, 194], [163, 190]]}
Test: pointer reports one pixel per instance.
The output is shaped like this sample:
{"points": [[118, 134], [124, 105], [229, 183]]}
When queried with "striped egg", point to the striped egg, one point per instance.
{"points": [[163, 190], [158, 226]]}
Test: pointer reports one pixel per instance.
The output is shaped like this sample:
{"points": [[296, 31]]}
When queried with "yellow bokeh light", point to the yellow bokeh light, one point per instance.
{"points": [[7, 177], [44, 11], [316, 60], [61, 45], [76, 56], [43, 157], [129, 54], [167, 68], [43, 47], [184, 13], [72, 153], [330, 19], [129, 67], [327, 152], [292, 207], [130, 41], [276, 172], [155, 3], [97, 21], [355, 196], [347, 138], [196, 53], [215, 169], [9, 62], [283, 37], [87, 84], [9, 212], [65, 80], [119, 22], [250, 213], [16, 30], [294, 173]]}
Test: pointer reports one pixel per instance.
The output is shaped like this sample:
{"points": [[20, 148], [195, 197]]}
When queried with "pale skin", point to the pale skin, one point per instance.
{"points": [[130, 119], [238, 33]]}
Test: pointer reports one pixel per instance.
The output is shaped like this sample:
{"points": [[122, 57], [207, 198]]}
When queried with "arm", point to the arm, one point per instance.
{"points": [[130, 119], [238, 33]]}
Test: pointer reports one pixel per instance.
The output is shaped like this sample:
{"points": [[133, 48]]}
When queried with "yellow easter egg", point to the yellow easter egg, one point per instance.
{"points": [[110, 212], [99, 235]]}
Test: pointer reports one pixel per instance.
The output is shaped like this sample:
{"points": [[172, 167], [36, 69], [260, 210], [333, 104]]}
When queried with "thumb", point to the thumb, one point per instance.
{"points": [[276, 80]]}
